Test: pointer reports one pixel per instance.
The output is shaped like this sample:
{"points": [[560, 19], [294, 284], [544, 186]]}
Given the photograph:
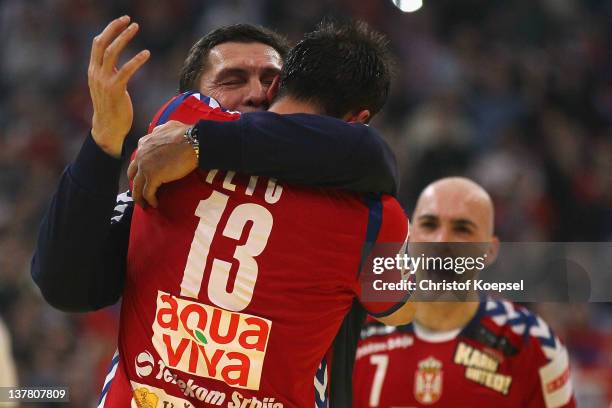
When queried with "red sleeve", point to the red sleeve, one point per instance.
{"points": [[189, 108], [550, 365], [384, 244]]}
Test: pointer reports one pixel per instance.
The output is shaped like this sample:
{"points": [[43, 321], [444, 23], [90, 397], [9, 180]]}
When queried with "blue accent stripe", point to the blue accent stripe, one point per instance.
{"points": [[523, 317], [374, 218], [114, 362], [163, 118], [548, 341], [526, 318], [498, 310], [375, 210], [320, 377], [206, 99], [394, 308]]}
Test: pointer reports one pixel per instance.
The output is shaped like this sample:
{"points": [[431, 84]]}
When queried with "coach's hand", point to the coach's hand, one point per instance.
{"points": [[112, 106], [163, 156]]}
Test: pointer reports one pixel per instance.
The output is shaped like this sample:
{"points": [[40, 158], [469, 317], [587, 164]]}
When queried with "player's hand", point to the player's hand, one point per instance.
{"points": [[112, 107], [163, 156]]}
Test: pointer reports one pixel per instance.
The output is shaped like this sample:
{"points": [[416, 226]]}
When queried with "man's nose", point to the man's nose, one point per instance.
{"points": [[256, 95], [443, 235]]}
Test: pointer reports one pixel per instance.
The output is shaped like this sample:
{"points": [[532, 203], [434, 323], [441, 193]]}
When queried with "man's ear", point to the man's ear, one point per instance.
{"points": [[273, 89], [361, 117], [492, 251]]}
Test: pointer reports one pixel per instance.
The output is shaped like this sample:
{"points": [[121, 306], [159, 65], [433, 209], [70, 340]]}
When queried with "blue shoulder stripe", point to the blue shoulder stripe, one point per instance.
{"points": [[163, 118], [375, 210]]}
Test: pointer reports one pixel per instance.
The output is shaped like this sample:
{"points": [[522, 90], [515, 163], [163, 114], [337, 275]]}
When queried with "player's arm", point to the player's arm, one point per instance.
{"points": [[79, 260], [386, 238], [552, 385]]}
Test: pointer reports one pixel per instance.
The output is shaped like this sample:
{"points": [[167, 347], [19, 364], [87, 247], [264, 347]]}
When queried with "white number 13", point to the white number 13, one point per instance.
{"points": [[210, 211]]}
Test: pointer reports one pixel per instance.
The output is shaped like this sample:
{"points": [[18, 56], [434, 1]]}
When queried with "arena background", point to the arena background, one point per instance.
{"points": [[516, 94]]}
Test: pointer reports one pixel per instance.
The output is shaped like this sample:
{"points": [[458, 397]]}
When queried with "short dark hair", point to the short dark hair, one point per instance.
{"points": [[342, 67], [196, 61]]}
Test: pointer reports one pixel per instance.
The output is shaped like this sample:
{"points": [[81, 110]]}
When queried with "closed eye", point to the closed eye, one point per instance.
{"points": [[232, 82], [268, 80], [463, 229], [429, 225]]}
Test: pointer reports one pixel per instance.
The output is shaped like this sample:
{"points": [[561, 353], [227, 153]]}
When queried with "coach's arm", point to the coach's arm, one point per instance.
{"points": [[302, 149], [313, 150]]}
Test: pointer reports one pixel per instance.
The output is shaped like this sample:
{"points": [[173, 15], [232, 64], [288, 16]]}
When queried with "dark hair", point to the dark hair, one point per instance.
{"points": [[196, 61], [341, 67]]}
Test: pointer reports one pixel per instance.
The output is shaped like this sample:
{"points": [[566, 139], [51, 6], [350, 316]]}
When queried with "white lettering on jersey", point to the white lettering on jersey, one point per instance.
{"points": [[273, 192], [227, 183]]}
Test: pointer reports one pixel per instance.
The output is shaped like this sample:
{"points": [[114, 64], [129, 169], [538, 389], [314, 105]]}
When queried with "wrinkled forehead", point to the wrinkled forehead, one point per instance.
{"points": [[248, 57]]}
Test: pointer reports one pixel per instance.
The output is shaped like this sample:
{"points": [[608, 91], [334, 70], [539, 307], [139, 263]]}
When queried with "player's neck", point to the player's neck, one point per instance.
{"points": [[445, 316], [287, 105]]}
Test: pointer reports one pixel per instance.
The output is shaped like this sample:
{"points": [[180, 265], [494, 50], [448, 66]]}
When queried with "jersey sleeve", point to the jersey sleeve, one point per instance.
{"points": [[190, 108], [382, 258], [553, 385]]}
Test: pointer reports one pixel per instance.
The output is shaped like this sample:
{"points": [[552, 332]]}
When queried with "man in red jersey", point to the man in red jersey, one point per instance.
{"points": [[461, 354], [236, 284]]}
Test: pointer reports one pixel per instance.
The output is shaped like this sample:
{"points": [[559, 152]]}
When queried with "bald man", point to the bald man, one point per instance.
{"points": [[482, 353]]}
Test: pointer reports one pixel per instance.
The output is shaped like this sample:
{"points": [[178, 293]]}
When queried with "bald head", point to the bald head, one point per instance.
{"points": [[453, 209]]}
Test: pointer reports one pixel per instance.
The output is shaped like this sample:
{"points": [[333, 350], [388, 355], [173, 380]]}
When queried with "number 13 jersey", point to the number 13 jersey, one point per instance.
{"points": [[237, 284]]}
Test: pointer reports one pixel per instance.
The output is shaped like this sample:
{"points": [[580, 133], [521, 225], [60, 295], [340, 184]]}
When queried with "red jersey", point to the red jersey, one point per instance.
{"points": [[236, 285], [505, 357]]}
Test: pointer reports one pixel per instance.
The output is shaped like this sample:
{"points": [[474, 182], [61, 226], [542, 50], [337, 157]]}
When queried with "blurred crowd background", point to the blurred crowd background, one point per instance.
{"points": [[516, 94]]}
